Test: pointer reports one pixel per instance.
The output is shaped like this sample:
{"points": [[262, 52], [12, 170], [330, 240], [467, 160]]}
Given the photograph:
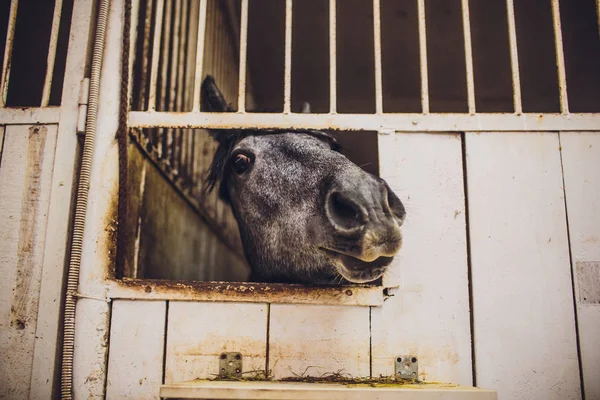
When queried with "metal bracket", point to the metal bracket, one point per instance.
{"points": [[230, 365], [406, 367]]}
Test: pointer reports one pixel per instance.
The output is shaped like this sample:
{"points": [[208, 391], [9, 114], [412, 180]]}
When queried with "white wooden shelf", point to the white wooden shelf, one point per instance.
{"points": [[203, 389]]}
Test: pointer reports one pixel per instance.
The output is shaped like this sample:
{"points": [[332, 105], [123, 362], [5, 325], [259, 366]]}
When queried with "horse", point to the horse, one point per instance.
{"points": [[306, 214]]}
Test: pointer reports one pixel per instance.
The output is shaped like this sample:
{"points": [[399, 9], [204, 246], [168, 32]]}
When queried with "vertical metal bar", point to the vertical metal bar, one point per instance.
{"points": [[10, 35], [332, 57], [190, 63], [287, 86], [243, 51], [155, 55], [423, 57], [377, 46], [175, 55], [598, 14], [514, 57], [560, 58], [164, 70], [51, 53], [145, 57], [199, 55], [468, 56], [133, 37], [179, 88], [176, 67]]}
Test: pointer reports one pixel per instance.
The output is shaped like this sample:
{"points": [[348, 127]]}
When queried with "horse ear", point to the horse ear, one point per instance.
{"points": [[212, 98], [214, 101]]}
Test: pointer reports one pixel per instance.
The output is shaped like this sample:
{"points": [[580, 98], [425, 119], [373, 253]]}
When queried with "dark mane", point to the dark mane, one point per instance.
{"points": [[217, 171]]}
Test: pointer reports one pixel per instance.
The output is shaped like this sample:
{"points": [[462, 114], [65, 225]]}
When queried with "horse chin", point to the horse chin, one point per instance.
{"points": [[355, 270]]}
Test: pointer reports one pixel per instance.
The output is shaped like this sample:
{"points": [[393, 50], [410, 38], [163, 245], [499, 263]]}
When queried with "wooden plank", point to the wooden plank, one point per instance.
{"points": [[198, 333], [135, 357], [311, 340], [25, 177], [310, 391], [429, 315], [92, 320], [524, 328], [581, 167]]}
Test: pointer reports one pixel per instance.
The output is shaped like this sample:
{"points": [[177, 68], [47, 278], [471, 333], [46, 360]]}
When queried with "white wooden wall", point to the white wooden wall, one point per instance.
{"points": [[38, 159], [520, 336], [26, 166]]}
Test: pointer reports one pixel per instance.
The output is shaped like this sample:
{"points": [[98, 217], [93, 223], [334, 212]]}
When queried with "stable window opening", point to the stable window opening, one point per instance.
{"points": [[351, 68]]}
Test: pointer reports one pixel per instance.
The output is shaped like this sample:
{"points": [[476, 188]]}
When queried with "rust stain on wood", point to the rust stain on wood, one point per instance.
{"points": [[588, 280], [24, 303], [153, 285], [110, 230]]}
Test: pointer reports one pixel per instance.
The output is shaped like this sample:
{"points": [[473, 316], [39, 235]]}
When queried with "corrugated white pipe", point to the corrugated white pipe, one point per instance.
{"points": [[81, 205]]}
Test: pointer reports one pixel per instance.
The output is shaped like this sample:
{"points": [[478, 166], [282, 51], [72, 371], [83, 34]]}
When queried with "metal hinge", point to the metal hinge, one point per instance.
{"points": [[406, 367], [84, 94], [230, 365]]}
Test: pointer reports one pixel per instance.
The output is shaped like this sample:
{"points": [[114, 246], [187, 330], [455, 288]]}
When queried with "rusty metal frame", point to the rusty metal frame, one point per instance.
{"points": [[379, 121], [435, 122], [245, 292]]}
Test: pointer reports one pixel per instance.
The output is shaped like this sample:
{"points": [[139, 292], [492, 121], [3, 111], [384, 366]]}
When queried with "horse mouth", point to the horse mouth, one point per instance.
{"points": [[357, 271]]}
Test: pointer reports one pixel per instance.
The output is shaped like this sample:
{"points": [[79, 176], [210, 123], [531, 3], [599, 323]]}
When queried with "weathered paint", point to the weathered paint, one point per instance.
{"points": [[135, 357], [25, 177], [198, 333], [312, 340], [523, 311], [581, 168]]}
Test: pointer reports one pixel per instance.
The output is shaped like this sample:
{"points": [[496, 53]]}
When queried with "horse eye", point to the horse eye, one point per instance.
{"points": [[241, 163]]}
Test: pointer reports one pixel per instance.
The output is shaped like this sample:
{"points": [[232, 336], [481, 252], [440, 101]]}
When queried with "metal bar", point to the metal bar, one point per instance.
{"points": [[514, 57], [145, 55], [164, 70], [176, 49], [560, 58], [180, 63], [243, 292], [423, 57], [468, 56], [10, 36], [377, 46], [51, 53], [417, 122], [243, 55], [155, 55], [332, 58], [199, 54], [598, 14], [287, 86], [176, 67], [179, 88]]}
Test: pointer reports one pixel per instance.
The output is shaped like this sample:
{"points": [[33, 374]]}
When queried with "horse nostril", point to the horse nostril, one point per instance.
{"points": [[343, 212]]}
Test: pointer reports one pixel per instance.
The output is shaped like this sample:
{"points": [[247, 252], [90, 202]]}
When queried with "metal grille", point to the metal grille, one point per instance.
{"points": [[34, 52], [153, 116]]}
